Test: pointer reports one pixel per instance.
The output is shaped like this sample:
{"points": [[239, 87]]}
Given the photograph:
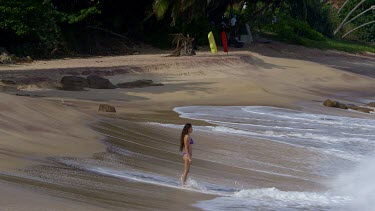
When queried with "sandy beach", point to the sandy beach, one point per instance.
{"points": [[57, 149]]}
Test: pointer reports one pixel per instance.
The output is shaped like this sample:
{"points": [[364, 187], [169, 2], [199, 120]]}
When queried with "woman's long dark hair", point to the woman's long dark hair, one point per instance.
{"points": [[184, 132]]}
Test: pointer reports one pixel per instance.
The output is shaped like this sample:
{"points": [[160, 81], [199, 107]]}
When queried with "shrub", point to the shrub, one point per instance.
{"points": [[30, 25], [294, 30]]}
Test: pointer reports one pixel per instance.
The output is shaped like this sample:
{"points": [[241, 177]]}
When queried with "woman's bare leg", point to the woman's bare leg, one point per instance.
{"points": [[186, 170]]}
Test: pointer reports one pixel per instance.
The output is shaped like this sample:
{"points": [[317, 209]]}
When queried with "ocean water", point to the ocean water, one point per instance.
{"points": [[349, 144], [345, 137], [305, 161], [228, 198]]}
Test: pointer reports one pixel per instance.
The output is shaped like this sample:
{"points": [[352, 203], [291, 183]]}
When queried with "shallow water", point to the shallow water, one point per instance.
{"points": [[345, 142], [255, 158]]}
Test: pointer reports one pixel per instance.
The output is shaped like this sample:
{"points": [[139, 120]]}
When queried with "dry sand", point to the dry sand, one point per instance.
{"points": [[34, 129]]}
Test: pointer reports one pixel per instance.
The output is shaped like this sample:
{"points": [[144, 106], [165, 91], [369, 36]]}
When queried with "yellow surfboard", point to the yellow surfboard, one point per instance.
{"points": [[211, 39]]}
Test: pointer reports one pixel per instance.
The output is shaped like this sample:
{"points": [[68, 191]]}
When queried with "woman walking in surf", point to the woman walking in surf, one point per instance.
{"points": [[185, 146]]}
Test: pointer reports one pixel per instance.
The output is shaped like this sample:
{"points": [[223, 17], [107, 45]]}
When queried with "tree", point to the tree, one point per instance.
{"points": [[28, 27], [347, 16], [357, 16], [188, 10], [33, 27], [185, 9]]}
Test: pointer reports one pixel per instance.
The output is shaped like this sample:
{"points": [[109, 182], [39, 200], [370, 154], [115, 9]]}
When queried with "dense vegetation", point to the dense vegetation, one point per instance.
{"points": [[367, 33], [44, 28]]}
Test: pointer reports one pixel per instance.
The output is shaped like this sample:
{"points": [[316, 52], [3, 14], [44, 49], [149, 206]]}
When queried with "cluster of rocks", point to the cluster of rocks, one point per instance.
{"points": [[336, 104], [7, 58], [78, 83]]}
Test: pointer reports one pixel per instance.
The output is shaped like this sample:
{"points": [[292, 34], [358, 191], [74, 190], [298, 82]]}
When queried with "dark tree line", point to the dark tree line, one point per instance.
{"points": [[42, 27]]}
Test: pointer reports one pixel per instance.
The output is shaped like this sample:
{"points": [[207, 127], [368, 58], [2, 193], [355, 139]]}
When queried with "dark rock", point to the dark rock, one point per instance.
{"points": [[353, 107], [5, 57], [34, 80], [138, 84], [334, 104], [106, 108], [97, 82], [329, 103], [8, 82], [361, 109], [23, 94], [372, 104], [98, 72], [26, 59], [73, 83], [341, 105], [365, 110], [86, 72]]}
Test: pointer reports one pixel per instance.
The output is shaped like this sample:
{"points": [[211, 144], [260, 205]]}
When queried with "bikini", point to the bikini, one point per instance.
{"points": [[191, 142]]}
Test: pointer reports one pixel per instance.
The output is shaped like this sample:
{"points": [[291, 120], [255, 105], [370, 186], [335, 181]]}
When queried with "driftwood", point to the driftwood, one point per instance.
{"points": [[184, 45]]}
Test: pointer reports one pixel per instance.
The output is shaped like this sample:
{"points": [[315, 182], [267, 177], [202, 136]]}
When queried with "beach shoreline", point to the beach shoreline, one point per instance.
{"points": [[240, 79]]}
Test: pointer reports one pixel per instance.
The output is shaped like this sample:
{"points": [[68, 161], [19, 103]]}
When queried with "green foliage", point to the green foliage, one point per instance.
{"points": [[22, 17], [294, 31], [198, 29], [331, 44], [81, 15], [36, 27], [181, 10], [366, 33], [323, 18], [30, 25], [318, 14], [160, 36], [160, 8], [341, 45]]}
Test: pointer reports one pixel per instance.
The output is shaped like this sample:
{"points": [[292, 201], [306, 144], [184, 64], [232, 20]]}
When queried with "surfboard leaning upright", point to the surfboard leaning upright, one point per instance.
{"points": [[211, 40]]}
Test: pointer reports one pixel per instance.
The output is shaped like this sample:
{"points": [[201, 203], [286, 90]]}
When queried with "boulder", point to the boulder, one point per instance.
{"points": [[5, 57], [8, 82], [23, 94], [353, 107], [334, 104], [329, 103], [138, 84], [97, 82], [107, 108], [361, 109], [365, 110], [26, 59], [73, 83], [372, 104]]}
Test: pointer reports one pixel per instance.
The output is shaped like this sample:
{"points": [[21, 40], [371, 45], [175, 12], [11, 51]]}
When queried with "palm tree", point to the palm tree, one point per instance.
{"points": [[365, 24], [343, 5], [360, 14], [347, 16], [188, 8]]}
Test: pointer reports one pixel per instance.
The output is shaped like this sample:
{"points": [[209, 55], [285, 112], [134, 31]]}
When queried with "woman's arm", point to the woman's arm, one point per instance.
{"points": [[186, 145]]}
